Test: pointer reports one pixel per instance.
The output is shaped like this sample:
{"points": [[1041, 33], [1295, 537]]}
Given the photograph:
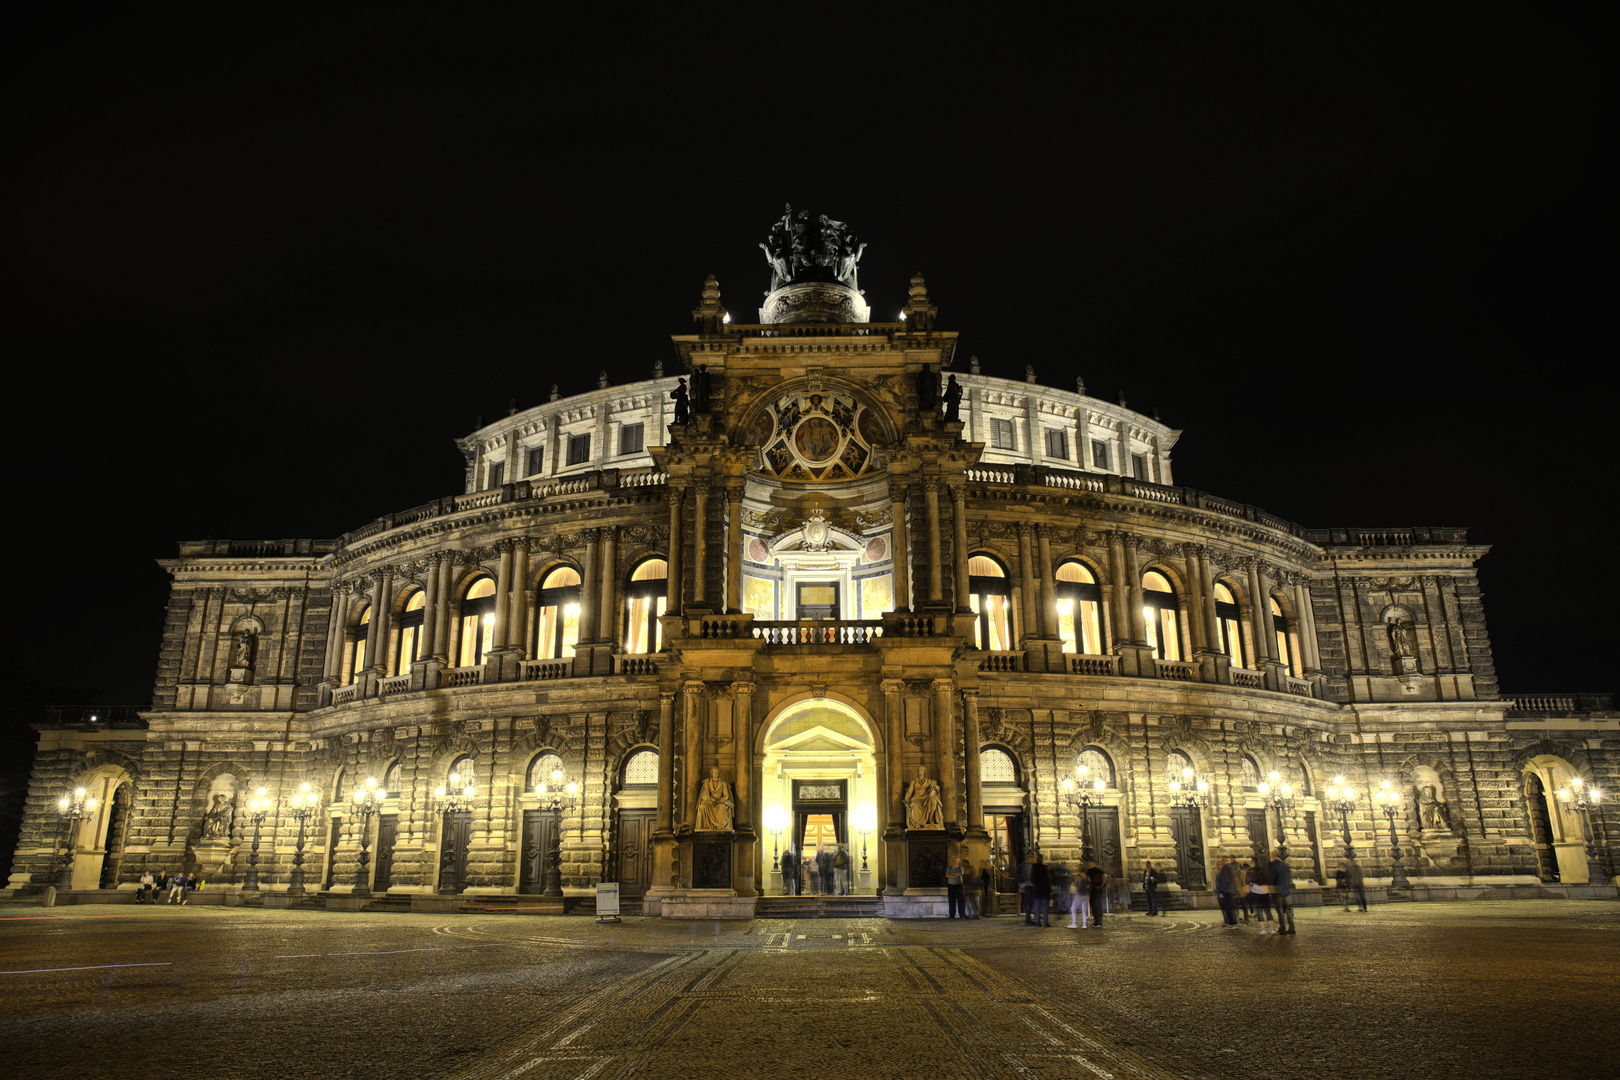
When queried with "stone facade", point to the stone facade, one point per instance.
{"points": [[818, 584]]}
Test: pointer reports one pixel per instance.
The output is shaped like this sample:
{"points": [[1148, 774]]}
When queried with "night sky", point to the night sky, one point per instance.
{"points": [[262, 273]]}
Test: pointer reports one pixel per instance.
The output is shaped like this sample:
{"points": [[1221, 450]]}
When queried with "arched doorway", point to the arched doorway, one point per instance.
{"points": [[117, 834], [1541, 829], [820, 792]]}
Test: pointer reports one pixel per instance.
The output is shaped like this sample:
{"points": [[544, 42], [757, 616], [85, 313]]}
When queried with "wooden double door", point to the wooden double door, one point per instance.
{"points": [[635, 861], [1101, 840]]}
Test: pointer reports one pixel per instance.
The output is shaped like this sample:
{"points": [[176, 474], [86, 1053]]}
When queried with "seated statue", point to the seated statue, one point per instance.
{"points": [[923, 808], [716, 808]]}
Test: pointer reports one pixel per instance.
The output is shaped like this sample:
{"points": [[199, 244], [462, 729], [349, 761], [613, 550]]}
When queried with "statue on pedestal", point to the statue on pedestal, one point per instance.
{"points": [[217, 822], [683, 405], [1432, 814], [953, 400], [923, 808], [716, 808]]}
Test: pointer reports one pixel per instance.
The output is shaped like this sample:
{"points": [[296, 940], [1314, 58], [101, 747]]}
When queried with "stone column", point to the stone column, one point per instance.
{"points": [[441, 632], [1206, 584], [1121, 589], [935, 554], [607, 626], [894, 829], [1026, 571], [666, 760], [1044, 582], [587, 590], [959, 556], [377, 636], [503, 593], [696, 694], [1306, 619], [1133, 581], [1197, 600], [672, 599], [945, 749], [336, 631], [902, 547], [734, 552], [700, 547], [975, 786], [744, 862], [1260, 616], [518, 615], [430, 610]]}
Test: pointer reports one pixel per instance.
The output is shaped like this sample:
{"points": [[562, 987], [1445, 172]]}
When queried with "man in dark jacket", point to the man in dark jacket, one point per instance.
{"points": [[1040, 889], [1282, 887], [790, 873], [1150, 885], [1226, 887], [1096, 885]]}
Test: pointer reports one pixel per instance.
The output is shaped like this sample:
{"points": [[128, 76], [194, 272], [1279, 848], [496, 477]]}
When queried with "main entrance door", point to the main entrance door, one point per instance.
{"points": [[1101, 841], [820, 787], [538, 825], [387, 833], [454, 836], [1188, 831], [635, 851], [1259, 845]]}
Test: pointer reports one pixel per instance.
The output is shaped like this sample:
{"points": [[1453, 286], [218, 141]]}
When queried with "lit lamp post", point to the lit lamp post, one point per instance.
{"points": [[74, 809], [1388, 799], [1280, 797], [1193, 797], [775, 824], [865, 823], [452, 798], [1586, 799], [367, 797], [1341, 799], [258, 806], [556, 796], [305, 804], [1081, 799]]}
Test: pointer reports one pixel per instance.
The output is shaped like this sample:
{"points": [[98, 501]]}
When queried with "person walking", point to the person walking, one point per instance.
{"points": [[1024, 897], [790, 873], [1062, 887], [1358, 883], [1282, 887], [840, 861], [1245, 893], [1226, 892], [1260, 894], [1040, 881], [970, 892], [1150, 885], [1341, 881], [1096, 886], [953, 887], [1080, 905]]}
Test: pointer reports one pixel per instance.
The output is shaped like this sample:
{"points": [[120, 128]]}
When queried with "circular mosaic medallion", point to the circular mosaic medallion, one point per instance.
{"points": [[877, 549], [757, 552], [816, 440]]}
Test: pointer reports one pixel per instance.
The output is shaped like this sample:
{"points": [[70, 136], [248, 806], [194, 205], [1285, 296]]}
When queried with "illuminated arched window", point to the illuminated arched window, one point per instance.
{"points": [[557, 627], [644, 600], [1178, 766], [1228, 622], [338, 784], [542, 770], [1251, 773], [1079, 604], [392, 776], [991, 595], [410, 632], [477, 623], [1097, 765], [1159, 612], [1279, 623], [641, 770], [462, 772], [997, 767], [358, 662]]}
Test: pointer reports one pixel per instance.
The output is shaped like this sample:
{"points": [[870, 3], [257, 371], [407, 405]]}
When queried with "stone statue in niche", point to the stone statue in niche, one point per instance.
{"points": [[683, 404], [242, 652], [700, 389], [1432, 814], [953, 401], [217, 822], [716, 808], [923, 808], [1400, 639]]}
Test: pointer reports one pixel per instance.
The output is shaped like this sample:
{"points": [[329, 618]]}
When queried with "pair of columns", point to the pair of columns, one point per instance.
{"points": [[899, 491], [702, 491]]}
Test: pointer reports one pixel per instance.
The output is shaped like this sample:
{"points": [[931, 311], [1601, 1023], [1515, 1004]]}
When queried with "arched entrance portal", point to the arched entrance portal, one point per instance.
{"points": [[820, 791]]}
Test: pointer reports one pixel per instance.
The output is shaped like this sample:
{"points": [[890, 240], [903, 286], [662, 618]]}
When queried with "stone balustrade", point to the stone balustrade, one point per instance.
{"points": [[1010, 660], [1087, 664], [819, 632]]}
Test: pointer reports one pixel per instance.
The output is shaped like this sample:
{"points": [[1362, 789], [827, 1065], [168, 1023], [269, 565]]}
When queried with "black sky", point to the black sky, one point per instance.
{"points": [[263, 272]]}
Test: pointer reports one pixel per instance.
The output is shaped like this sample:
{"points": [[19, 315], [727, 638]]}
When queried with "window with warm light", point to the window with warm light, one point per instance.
{"points": [[1094, 764], [642, 769], [997, 767], [557, 624], [410, 632], [1279, 623], [477, 623], [1251, 773], [361, 629], [990, 594], [1079, 604], [1159, 612], [1227, 622], [644, 600]]}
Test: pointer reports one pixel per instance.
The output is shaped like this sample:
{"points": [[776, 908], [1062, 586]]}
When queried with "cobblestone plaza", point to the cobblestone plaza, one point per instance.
{"points": [[1479, 989]]}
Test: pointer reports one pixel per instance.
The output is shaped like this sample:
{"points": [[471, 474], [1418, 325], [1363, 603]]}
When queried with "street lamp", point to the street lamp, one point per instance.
{"points": [[367, 797], [1185, 792], [865, 823], [1586, 799], [1388, 798], [556, 796], [453, 797], [305, 804], [74, 809], [258, 806], [1081, 799], [1280, 797], [1341, 799]]}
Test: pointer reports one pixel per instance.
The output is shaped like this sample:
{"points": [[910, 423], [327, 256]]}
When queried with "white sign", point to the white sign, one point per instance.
{"points": [[607, 898]]}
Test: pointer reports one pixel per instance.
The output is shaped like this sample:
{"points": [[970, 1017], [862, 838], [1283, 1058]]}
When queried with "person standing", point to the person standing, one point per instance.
{"points": [[1282, 887], [840, 861], [1245, 892], [1062, 884], [1341, 881], [1358, 883], [1150, 885], [790, 873], [1096, 886], [1260, 893], [1024, 901], [1040, 881], [1226, 888], [953, 887], [970, 893]]}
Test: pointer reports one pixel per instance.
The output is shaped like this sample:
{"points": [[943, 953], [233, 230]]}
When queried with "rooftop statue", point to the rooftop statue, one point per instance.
{"points": [[830, 253]]}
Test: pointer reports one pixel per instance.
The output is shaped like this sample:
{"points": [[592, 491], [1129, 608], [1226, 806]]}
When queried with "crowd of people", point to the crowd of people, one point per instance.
{"points": [[823, 872], [165, 887]]}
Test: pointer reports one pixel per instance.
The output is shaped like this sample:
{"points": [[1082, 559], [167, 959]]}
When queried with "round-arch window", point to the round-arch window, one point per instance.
{"points": [[997, 767], [477, 622], [1227, 622], [1179, 766], [462, 769], [642, 769], [1159, 614], [990, 595], [392, 778], [1251, 773], [542, 768], [557, 627], [644, 600], [1079, 608], [1096, 765], [1279, 625], [358, 663], [410, 632]]}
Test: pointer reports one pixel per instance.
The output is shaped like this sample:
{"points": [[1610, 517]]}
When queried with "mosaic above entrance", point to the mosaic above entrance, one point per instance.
{"points": [[815, 437]]}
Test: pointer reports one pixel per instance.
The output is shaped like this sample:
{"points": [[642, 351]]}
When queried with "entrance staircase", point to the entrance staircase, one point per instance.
{"points": [[818, 907]]}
